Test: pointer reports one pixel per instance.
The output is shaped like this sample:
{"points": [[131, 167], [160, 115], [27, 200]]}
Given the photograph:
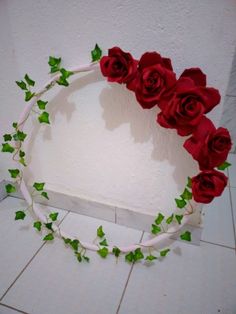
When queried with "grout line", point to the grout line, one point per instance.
{"points": [[232, 213], [127, 281], [13, 308], [228, 95], [222, 245], [115, 215], [24, 268]]}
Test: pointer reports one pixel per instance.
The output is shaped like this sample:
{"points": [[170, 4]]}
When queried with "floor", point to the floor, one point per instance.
{"points": [[45, 278]]}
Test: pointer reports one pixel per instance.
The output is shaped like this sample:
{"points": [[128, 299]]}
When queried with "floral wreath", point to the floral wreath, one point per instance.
{"points": [[183, 103]]}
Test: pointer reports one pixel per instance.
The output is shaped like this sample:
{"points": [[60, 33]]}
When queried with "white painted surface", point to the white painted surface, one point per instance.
{"points": [[102, 145]]}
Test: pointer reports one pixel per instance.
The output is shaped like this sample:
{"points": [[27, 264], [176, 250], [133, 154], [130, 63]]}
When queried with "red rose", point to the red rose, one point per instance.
{"points": [[208, 184], [118, 66], [183, 107], [155, 75], [208, 145]]}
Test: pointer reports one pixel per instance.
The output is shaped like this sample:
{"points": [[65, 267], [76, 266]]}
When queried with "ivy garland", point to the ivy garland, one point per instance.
{"points": [[183, 104]]}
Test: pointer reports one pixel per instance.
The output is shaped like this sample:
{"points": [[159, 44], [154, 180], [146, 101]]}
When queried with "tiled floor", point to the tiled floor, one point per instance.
{"points": [[37, 278]]}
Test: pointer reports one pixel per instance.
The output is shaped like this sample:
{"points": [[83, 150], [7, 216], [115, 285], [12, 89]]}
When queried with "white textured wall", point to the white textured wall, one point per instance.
{"points": [[102, 145]]}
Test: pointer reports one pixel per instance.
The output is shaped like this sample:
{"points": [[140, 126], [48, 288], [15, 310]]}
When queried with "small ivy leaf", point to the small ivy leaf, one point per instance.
{"points": [[224, 166], [186, 236], [22, 161], [159, 219], [138, 255], [48, 237], [74, 244], [170, 219], [21, 154], [29, 80], [180, 203], [48, 225], [14, 173], [129, 257], [103, 252], [45, 194], [22, 85], [62, 81], [155, 229], [79, 257], [39, 186], [96, 53], [54, 64], [37, 225], [186, 195], [65, 73], [10, 188], [179, 218], [103, 242], [150, 257], [53, 216], [7, 137], [164, 252], [66, 240], [20, 215], [42, 104], [100, 232], [19, 136], [7, 148], [28, 95], [86, 258], [44, 117], [189, 182], [14, 124], [116, 251]]}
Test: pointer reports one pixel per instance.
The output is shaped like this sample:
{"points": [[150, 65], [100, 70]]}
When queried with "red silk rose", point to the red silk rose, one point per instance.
{"points": [[118, 66], [155, 76], [208, 184], [183, 107], [208, 145]]}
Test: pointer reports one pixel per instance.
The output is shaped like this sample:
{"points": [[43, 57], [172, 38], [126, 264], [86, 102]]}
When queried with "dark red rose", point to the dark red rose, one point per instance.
{"points": [[155, 76], [183, 107], [208, 145], [208, 184], [118, 66]]}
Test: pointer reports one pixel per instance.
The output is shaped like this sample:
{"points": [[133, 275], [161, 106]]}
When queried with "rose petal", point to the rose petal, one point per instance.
{"points": [[167, 63], [148, 59], [212, 97], [196, 75]]}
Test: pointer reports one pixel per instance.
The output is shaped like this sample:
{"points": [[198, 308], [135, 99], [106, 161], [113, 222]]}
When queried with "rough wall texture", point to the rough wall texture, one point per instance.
{"points": [[102, 145]]}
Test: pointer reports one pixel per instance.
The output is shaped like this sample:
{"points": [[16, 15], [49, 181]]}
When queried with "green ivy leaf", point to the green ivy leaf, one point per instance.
{"points": [[22, 85], [48, 225], [14, 124], [45, 194], [62, 81], [86, 258], [54, 63], [189, 182], [164, 252], [116, 251], [100, 232], [103, 242], [28, 95], [21, 154], [19, 136], [48, 237], [170, 219], [20, 215], [179, 218], [96, 53], [10, 188], [37, 225], [53, 216], [186, 236], [79, 257], [44, 117], [186, 195], [7, 148], [39, 186], [14, 173], [29, 80], [74, 244], [180, 203], [66, 240], [7, 137], [138, 255], [65, 74], [155, 229], [159, 219], [129, 257], [22, 161], [224, 166], [150, 257], [42, 104], [103, 252]]}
